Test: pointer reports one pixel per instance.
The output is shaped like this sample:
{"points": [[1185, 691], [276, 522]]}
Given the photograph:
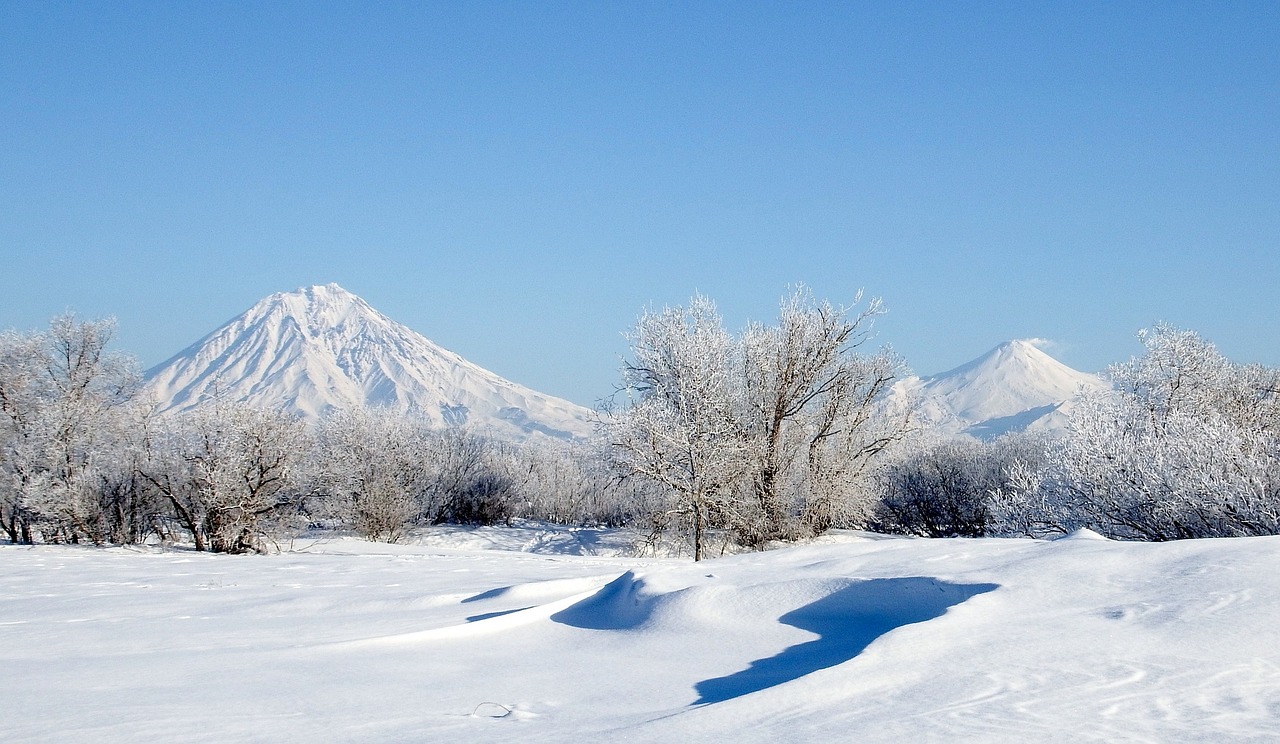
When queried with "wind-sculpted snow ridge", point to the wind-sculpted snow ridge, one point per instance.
{"points": [[1014, 387], [496, 621], [858, 639], [846, 622], [322, 348], [846, 615]]}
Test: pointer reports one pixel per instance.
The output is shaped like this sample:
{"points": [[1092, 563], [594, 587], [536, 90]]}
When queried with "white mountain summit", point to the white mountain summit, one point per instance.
{"points": [[322, 348], [1014, 387]]}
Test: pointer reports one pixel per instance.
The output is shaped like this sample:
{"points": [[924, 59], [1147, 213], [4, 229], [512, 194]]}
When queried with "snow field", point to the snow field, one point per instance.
{"points": [[857, 637]]}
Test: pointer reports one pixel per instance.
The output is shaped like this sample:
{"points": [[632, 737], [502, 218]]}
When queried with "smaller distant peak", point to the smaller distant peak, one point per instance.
{"points": [[1015, 352]]}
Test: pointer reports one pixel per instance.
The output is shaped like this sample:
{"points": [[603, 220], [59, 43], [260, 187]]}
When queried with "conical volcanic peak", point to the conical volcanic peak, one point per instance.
{"points": [[1014, 376], [322, 348], [1014, 387]]}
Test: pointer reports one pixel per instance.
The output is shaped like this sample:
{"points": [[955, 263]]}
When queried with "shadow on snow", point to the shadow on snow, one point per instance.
{"points": [[846, 621]]}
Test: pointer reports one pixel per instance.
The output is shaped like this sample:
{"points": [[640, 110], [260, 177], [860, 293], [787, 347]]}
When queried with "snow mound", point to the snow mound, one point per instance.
{"points": [[321, 348], [1084, 533]]}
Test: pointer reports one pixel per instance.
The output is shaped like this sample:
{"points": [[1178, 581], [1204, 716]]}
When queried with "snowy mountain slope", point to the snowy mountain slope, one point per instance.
{"points": [[1013, 387], [322, 348]]}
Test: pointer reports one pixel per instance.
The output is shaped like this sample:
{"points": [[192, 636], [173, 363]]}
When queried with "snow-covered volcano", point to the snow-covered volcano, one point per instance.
{"points": [[1014, 387], [322, 348]]}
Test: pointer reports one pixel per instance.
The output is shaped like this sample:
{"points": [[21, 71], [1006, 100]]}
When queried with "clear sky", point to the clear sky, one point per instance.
{"points": [[517, 181]]}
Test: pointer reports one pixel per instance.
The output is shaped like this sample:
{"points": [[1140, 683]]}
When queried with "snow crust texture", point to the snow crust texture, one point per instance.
{"points": [[1014, 387], [322, 348], [859, 638]]}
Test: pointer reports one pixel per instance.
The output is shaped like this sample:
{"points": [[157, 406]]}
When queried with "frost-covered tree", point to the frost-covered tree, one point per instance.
{"points": [[572, 483], [939, 491], [1187, 446], [375, 468], [128, 510], [384, 472], [22, 389], [681, 428], [228, 472], [66, 411], [768, 434], [472, 483], [814, 415]]}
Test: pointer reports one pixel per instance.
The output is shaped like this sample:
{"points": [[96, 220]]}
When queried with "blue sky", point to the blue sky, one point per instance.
{"points": [[517, 181]]}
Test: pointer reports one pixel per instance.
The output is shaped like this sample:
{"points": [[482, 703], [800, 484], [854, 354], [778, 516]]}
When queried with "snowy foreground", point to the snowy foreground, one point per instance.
{"points": [[507, 636]]}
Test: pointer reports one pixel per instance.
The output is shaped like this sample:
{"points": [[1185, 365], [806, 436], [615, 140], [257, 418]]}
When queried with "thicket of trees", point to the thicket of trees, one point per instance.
{"points": [[1187, 445], [778, 432], [383, 473], [66, 409], [951, 486]]}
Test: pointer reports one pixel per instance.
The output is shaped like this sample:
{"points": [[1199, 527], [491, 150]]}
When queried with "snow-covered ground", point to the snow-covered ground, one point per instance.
{"points": [[538, 635]]}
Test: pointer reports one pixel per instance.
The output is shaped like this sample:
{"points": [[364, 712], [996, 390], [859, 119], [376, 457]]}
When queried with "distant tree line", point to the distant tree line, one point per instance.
{"points": [[715, 440], [84, 459], [784, 431]]}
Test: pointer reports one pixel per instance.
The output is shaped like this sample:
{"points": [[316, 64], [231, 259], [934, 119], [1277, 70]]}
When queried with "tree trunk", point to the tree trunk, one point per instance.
{"points": [[698, 528]]}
